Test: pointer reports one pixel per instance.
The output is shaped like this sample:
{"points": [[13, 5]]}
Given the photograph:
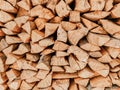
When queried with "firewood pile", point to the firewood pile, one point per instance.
{"points": [[59, 44]]}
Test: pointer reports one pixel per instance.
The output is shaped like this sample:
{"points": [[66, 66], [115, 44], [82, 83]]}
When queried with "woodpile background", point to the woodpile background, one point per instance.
{"points": [[59, 44]]}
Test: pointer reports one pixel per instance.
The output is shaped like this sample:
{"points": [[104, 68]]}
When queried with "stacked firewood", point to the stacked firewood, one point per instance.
{"points": [[59, 44]]}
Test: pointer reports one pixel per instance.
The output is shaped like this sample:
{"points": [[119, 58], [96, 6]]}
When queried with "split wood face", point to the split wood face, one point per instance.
{"points": [[59, 44]]}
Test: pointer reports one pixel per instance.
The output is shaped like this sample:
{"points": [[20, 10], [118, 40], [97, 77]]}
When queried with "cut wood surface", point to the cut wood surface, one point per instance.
{"points": [[59, 44]]}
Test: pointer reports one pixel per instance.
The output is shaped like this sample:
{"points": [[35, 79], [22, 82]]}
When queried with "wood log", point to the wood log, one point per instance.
{"points": [[101, 82], [62, 9], [5, 4], [98, 67], [82, 5]]}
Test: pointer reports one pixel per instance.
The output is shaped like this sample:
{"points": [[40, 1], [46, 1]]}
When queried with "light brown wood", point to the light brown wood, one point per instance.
{"points": [[61, 84], [41, 12], [37, 35], [101, 82], [62, 9], [98, 39], [97, 4], [12, 74], [99, 30], [74, 36], [59, 61], [24, 4], [61, 34], [22, 49], [98, 67], [46, 82], [110, 26], [3, 44], [3, 78], [14, 84], [25, 37], [96, 15], [5, 17], [28, 26], [89, 24], [115, 79], [40, 23], [74, 16], [82, 5], [108, 5], [60, 46], [65, 25], [115, 11], [81, 81], [4, 6]]}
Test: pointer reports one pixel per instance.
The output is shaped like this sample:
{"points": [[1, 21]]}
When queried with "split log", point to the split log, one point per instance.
{"points": [[98, 30], [61, 84], [21, 20], [62, 9], [12, 74], [61, 54], [37, 2], [60, 46], [82, 5], [110, 27], [3, 44], [3, 78], [74, 16], [98, 39], [26, 74], [43, 66], [97, 5], [96, 15], [4, 6], [108, 5], [57, 69], [115, 13], [46, 82], [50, 28], [105, 58], [59, 61], [98, 67], [98, 88], [32, 57], [37, 35], [81, 81], [101, 82], [114, 52], [89, 24], [14, 84], [24, 4], [65, 25], [88, 46], [25, 37], [40, 23], [36, 48], [114, 63], [52, 4], [28, 26], [26, 86], [22, 49], [5, 17], [46, 42], [73, 86], [96, 54], [41, 12], [115, 79], [42, 74], [61, 34], [114, 43], [79, 53], [87, 73], [64, 75], [74, 36]]}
